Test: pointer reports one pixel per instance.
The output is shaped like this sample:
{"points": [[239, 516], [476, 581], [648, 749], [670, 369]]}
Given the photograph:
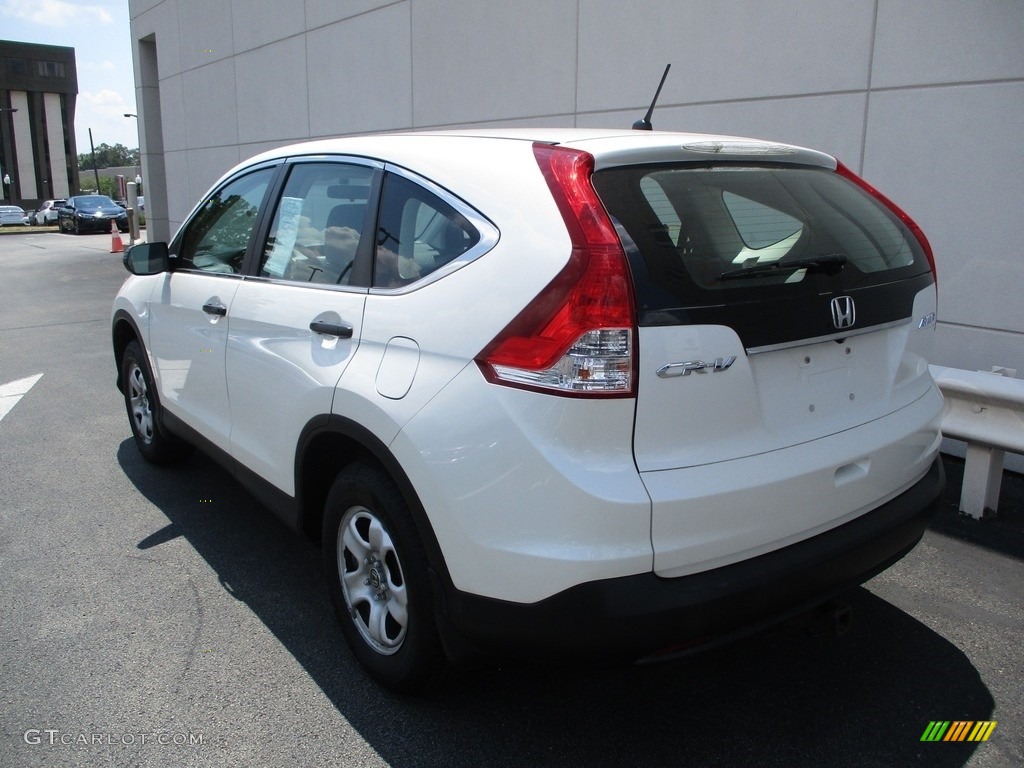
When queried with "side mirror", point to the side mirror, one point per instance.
{"points": [[146, 259]]}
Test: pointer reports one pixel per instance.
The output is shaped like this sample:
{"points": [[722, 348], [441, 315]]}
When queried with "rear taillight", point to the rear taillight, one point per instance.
{"points": [[845, 172], [577, 336]]}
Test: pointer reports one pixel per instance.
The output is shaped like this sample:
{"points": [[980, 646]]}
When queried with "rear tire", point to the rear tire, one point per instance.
{"points": [[140, 400], [377, 576]]}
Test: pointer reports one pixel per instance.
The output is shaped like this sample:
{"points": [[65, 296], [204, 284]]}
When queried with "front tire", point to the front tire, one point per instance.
{"points": [[376, 571], [141, 403]]}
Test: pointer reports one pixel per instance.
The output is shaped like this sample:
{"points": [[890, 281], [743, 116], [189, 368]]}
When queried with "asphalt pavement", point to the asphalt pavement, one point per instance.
{"points": [[158, 617]]}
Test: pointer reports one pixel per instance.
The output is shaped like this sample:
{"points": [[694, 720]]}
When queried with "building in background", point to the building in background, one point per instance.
{"points": [[925, 100], [38, 89]]}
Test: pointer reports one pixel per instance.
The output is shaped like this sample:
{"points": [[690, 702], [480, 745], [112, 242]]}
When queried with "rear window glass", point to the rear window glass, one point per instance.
{"points": [[700, 232]]}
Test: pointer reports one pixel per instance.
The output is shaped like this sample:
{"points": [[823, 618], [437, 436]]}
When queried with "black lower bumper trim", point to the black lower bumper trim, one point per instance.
{"points": [[635, 616]]}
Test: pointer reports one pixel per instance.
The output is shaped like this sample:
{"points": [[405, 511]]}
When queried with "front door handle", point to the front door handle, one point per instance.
{"points": [[331, 329], [215, 309]]}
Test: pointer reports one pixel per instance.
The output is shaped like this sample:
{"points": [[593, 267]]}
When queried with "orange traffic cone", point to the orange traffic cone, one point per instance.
{"points": [[116, 246]]}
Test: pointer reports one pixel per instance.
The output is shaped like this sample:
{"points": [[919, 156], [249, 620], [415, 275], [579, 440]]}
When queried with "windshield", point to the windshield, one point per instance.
{"points": [[94, 201]]}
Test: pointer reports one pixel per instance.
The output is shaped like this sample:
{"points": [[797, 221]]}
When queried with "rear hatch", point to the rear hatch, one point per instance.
{"points": [[778, 304], [775, 304]]}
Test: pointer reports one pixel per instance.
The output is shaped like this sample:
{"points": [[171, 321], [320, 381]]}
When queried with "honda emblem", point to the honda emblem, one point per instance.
{"points": [[844, 315]]}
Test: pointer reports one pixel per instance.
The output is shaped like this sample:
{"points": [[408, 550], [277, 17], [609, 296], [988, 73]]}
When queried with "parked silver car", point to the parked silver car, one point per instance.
{"points": [[12, 215]]}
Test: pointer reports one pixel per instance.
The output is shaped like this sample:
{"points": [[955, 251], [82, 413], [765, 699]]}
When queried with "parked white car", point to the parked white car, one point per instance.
{"points": [[595, 393], [46, 213]]}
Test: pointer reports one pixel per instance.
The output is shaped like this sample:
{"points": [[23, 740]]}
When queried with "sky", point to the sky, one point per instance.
{"points": [[98, 31]]}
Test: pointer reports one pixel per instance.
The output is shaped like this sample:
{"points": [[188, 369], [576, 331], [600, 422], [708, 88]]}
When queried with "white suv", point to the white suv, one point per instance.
{"points": [[46, 213], [599, 393]]}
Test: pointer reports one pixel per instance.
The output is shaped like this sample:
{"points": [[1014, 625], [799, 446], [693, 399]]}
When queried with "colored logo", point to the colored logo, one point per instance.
{"points": [[958, 730]]}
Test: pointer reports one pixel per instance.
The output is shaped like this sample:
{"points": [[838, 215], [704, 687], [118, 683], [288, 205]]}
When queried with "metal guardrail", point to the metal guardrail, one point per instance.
{"points": [[985, 410]]}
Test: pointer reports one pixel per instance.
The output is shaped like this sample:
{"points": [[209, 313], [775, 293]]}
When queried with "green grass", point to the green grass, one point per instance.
{"points": [[18, 230]]}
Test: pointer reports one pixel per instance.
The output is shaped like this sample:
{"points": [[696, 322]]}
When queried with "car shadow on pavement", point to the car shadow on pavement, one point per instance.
{"points": [[785, 698]]}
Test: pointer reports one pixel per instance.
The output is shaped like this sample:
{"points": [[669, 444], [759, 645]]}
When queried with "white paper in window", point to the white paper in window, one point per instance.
{"points": [[284, 241]]}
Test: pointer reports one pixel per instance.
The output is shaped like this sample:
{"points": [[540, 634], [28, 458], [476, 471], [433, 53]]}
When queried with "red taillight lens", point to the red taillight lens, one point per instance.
{"points": [[845, 172], [576, 337]]}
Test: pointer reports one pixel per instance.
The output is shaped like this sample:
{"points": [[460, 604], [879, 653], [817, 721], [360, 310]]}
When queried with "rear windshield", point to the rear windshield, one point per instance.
{"points": [[704, 236]]}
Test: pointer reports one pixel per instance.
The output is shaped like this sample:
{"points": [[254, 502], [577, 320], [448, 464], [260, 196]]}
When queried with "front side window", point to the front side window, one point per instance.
{"points": [[217, 237], [417, 233], [318, 224]]}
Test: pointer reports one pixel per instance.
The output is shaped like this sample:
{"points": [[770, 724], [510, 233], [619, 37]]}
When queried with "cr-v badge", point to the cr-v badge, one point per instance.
{"points": [[844, 314], [685, 369]]}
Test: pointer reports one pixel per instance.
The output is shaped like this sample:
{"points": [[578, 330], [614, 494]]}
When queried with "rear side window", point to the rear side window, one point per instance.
{"points": [[417, 233], [704, 232]]}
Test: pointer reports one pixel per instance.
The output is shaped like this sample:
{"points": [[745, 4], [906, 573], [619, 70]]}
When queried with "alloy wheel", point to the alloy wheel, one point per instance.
{"points": [[138, 398], [372, 581]]}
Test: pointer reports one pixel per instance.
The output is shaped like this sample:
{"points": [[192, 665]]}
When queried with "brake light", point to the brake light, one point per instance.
{"points": [[845, 172], [577, 336]]}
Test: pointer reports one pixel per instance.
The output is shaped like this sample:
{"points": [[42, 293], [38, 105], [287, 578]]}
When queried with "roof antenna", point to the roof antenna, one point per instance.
{"points": [[644, 124]]}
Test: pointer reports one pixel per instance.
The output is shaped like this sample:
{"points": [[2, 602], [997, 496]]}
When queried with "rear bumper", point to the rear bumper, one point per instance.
{"points": [[635, 616]]}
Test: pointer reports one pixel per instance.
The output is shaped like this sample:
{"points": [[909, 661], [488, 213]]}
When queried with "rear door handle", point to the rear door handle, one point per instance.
{"points": [[331, 329], [215, 309]]}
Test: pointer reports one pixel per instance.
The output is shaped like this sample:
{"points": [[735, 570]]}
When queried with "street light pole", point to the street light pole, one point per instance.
{"points": [[138, 177], [96, 173]]}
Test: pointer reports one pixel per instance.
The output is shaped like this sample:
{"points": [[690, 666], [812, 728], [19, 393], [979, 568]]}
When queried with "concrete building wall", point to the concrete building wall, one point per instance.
{"points": [[55, 141], [925, 99], [26, 167]]}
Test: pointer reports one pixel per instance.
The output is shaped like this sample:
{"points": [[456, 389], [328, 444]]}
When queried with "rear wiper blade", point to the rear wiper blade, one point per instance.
{"points": [[829, 263]]}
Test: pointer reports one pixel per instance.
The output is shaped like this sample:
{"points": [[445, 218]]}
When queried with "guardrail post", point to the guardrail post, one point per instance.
{"points": [[985, 410], [983, 479]]}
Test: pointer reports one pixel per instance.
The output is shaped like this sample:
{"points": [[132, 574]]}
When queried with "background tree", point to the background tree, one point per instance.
{"points": [[109, 157], [108, 187]]}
